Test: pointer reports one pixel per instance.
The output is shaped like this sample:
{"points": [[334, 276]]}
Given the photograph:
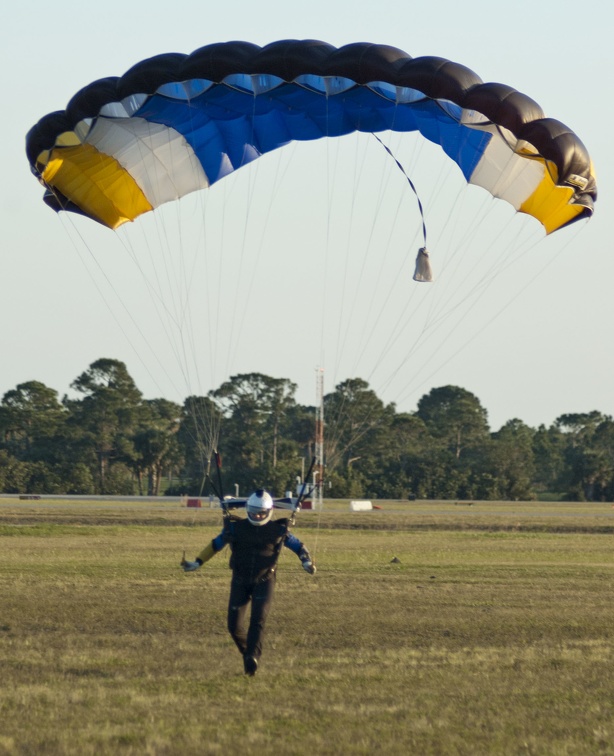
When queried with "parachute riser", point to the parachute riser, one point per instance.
{"points": [[303, 494], [218, 490], [285, 503]]}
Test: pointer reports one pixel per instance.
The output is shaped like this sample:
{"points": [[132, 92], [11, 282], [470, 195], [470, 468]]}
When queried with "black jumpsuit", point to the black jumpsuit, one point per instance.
{"points": [[254, 550]]}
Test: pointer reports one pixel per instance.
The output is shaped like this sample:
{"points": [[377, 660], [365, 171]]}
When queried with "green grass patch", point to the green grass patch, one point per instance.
{"points": [[477, 640]]}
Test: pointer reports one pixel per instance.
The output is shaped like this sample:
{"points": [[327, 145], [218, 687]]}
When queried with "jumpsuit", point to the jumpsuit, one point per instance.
{"points": [[254, 550]]}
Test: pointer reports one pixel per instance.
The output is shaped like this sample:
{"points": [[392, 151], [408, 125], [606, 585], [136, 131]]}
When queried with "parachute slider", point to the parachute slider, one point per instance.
{"points": [[423, 272], [286, 502], [230, 502]]}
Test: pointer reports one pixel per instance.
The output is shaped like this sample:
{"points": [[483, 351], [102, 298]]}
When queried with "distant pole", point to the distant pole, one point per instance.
{"points": [[318, 469]]}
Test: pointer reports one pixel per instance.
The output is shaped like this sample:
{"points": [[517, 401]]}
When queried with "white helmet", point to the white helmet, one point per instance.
{"points": [[259, 507]]}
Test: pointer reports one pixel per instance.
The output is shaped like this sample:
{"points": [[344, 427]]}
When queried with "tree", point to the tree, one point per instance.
{"points": [[399, 455], [257, 411], [455, 417], [108, 440], [13, 473], [356, 422], [459, 440], [604, 448], [549, 458], [589, 453], [197, 439], [512, 462], [155, 443], [31, 417], [106, 417], [264, 399]]}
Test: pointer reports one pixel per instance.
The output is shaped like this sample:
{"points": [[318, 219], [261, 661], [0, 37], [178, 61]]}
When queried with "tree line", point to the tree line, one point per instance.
{"points": [[108, 439]]}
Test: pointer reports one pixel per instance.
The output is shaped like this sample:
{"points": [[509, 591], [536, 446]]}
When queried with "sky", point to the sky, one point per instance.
{"points": [[309, 253]]}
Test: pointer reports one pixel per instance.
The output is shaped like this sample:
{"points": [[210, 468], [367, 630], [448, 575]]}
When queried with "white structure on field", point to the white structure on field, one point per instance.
{"points": [[358, 505]]}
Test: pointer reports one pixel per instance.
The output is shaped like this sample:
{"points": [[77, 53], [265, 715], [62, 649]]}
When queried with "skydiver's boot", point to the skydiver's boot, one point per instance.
{"points": [[250, 664]]}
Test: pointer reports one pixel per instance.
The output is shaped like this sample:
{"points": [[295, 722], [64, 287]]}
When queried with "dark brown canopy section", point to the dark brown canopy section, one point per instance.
{"points": [[436, 78]]}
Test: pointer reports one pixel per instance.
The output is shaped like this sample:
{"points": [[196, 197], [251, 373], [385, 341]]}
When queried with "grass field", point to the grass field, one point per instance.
{"points": [[492, 634]]}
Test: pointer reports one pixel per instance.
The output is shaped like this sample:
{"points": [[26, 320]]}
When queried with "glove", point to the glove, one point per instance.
{"points": [[190, 566], [309, 566]]}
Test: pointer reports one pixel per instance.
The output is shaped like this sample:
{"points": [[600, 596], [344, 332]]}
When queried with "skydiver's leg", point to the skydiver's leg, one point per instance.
{"points": [[262, 599], [237, 607]]}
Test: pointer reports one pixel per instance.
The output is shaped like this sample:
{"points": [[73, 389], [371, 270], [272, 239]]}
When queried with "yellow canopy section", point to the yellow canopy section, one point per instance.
{"points": [[96, 183], [550, 203]]}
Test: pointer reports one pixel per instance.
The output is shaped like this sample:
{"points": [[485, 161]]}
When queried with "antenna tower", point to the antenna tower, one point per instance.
{"points": [[318, 469]]}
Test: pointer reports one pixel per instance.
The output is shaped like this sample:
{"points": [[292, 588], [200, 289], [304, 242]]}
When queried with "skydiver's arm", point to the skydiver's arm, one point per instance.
{"points": [[217, 544], [293, 543]]}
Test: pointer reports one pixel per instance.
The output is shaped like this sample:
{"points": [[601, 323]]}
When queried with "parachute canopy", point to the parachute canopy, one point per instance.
{"points": [[177, 123]]}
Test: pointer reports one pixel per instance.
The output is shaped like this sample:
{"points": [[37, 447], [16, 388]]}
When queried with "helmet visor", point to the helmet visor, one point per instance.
{"points": [[259, 514]]}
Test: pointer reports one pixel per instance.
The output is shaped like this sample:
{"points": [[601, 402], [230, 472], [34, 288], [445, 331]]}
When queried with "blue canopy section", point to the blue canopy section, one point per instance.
{"points": [[234, 101], [228, 126]]}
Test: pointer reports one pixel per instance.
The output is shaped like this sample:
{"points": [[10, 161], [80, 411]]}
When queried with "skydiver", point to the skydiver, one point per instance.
{"points": [[255, 544]]}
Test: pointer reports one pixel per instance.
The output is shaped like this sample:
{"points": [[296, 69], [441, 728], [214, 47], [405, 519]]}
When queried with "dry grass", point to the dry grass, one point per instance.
{"points": [[484, 640]]}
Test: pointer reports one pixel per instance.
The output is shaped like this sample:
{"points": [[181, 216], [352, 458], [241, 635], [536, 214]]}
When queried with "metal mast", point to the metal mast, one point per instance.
{"points": [[318, 470]]}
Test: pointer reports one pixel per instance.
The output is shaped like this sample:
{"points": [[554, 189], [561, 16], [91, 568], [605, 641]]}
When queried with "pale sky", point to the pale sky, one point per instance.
{"points": [[302, 259]]}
